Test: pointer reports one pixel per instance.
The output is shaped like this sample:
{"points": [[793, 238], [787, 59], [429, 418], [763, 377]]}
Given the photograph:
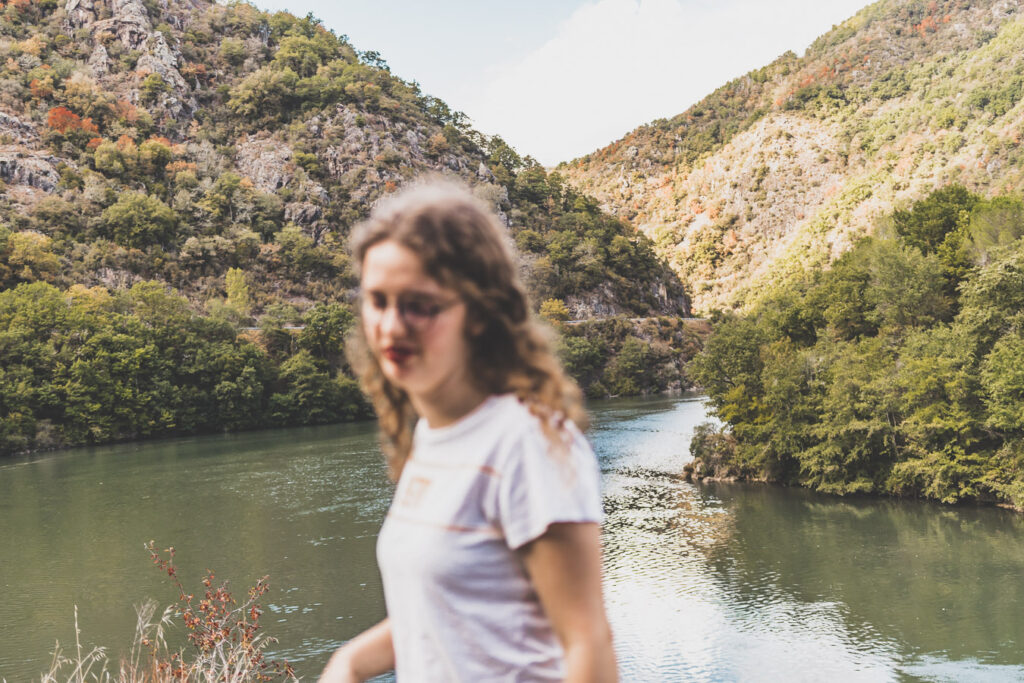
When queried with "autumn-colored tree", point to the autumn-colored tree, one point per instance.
{"points": [[127, 111], [41, 88], [126, 145], [195, 71], [554, 311], [63, 120]]}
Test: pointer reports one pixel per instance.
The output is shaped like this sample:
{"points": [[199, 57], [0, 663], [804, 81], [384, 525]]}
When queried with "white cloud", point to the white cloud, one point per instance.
{"points": [[615, 64]]}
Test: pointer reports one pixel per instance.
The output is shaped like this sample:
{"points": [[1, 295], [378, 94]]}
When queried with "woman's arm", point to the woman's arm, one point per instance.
{"points": [[565, 567], [367, 655]]}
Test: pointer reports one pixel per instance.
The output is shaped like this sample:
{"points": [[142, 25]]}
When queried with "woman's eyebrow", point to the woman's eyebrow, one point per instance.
{"points": [[405, 294], [418, 294]]}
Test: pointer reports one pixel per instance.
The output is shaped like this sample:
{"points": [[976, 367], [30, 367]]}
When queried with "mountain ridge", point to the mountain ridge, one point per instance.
{"points": [[785, 167]]}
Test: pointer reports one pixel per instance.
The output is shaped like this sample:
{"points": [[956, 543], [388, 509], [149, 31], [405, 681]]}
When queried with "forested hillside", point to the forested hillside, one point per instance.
{"points": [[900, 370], [177, 174], [785, 168]]}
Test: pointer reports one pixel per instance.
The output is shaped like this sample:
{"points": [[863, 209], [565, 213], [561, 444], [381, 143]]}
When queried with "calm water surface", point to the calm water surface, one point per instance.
{"points": [[704, 583]]}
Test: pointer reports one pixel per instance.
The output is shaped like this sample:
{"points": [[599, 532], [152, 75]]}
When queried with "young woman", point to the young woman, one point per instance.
{"points": [[490, 554]]}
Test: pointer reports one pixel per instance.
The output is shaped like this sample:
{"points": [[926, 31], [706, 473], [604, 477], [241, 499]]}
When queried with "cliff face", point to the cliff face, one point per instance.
{"points": [[177, 139], [786, 167]]}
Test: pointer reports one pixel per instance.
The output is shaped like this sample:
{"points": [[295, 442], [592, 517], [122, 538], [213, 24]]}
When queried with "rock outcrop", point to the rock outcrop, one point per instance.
{"points": [[17, 131], [32, 169], [266, 161], [130, 23]]}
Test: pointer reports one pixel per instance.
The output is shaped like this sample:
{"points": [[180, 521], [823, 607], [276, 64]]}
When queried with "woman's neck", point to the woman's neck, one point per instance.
{"points": [[448, 404]]}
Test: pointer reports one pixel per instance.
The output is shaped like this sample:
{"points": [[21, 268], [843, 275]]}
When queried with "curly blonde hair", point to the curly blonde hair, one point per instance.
{"points": [[463, 247]]}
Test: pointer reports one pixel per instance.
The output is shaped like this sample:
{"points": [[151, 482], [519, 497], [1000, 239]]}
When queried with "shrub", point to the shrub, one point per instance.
{"points": [[139, 220]]}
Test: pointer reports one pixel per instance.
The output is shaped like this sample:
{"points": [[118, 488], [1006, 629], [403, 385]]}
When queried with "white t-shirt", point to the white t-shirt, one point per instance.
{"points": [[461, 604]]}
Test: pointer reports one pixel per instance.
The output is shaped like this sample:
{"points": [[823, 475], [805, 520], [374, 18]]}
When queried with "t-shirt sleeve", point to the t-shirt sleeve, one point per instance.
{"points": [[539, 487]]}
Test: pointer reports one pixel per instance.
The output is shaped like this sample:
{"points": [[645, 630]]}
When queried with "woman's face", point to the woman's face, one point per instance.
{"points": [[414, 326]]}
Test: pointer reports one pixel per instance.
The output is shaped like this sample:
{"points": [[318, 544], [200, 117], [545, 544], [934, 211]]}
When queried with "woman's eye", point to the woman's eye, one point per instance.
{"points": [[419, 308], [377, 301]]}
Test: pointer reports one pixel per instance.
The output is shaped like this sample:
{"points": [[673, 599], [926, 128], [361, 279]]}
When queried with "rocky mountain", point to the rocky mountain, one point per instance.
{"points": [[178, 180], [174, 140], [784, 168]]}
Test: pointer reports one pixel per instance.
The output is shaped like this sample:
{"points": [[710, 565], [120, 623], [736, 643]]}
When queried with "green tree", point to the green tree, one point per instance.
{"points": [[326, 327], [139, 220], [26, 256], [994, 224], [1002, 384], [237, 285], [303, 55], [232, 51], [938, 224], [264, 96], [152, 87], [310, 396]]}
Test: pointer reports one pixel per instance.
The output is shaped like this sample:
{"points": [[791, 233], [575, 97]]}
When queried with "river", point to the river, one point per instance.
{"points": [[713, 582]]}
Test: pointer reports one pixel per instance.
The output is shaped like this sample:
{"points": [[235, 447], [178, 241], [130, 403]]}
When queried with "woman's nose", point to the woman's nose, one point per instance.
{"points": [[391, 321]]}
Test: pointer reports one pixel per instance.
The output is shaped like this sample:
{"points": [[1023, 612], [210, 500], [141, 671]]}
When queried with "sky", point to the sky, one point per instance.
{"points": [[558, 79]]}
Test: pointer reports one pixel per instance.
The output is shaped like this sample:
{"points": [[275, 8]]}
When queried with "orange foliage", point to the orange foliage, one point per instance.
{"points": [[127, 111], [176, 166], [40, 89], [214, 623], [94, 143], [126, 144], [389, 186], [63, 120], [195, 70], [927, 25]]}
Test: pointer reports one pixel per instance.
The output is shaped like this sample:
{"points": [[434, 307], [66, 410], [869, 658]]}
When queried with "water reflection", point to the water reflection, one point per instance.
{"points": [[737, 582], [704, 583]]}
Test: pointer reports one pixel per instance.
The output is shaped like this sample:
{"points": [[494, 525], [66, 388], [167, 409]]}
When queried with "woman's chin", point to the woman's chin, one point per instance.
{"points": [[399, 374]]}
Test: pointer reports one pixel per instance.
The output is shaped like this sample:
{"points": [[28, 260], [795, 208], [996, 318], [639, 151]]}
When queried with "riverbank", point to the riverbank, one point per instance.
{"points": [[170, 381], [715, 461]]}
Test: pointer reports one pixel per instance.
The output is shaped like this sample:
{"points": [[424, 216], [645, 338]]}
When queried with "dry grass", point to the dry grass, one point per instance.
{"points": [[226, 644]]}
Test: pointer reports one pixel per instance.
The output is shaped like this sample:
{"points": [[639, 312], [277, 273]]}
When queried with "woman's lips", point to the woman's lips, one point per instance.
{"points": [[397, 355]]}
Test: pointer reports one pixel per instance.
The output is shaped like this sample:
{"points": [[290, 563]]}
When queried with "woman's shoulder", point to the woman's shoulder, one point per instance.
{"points": [[529, 433]]}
